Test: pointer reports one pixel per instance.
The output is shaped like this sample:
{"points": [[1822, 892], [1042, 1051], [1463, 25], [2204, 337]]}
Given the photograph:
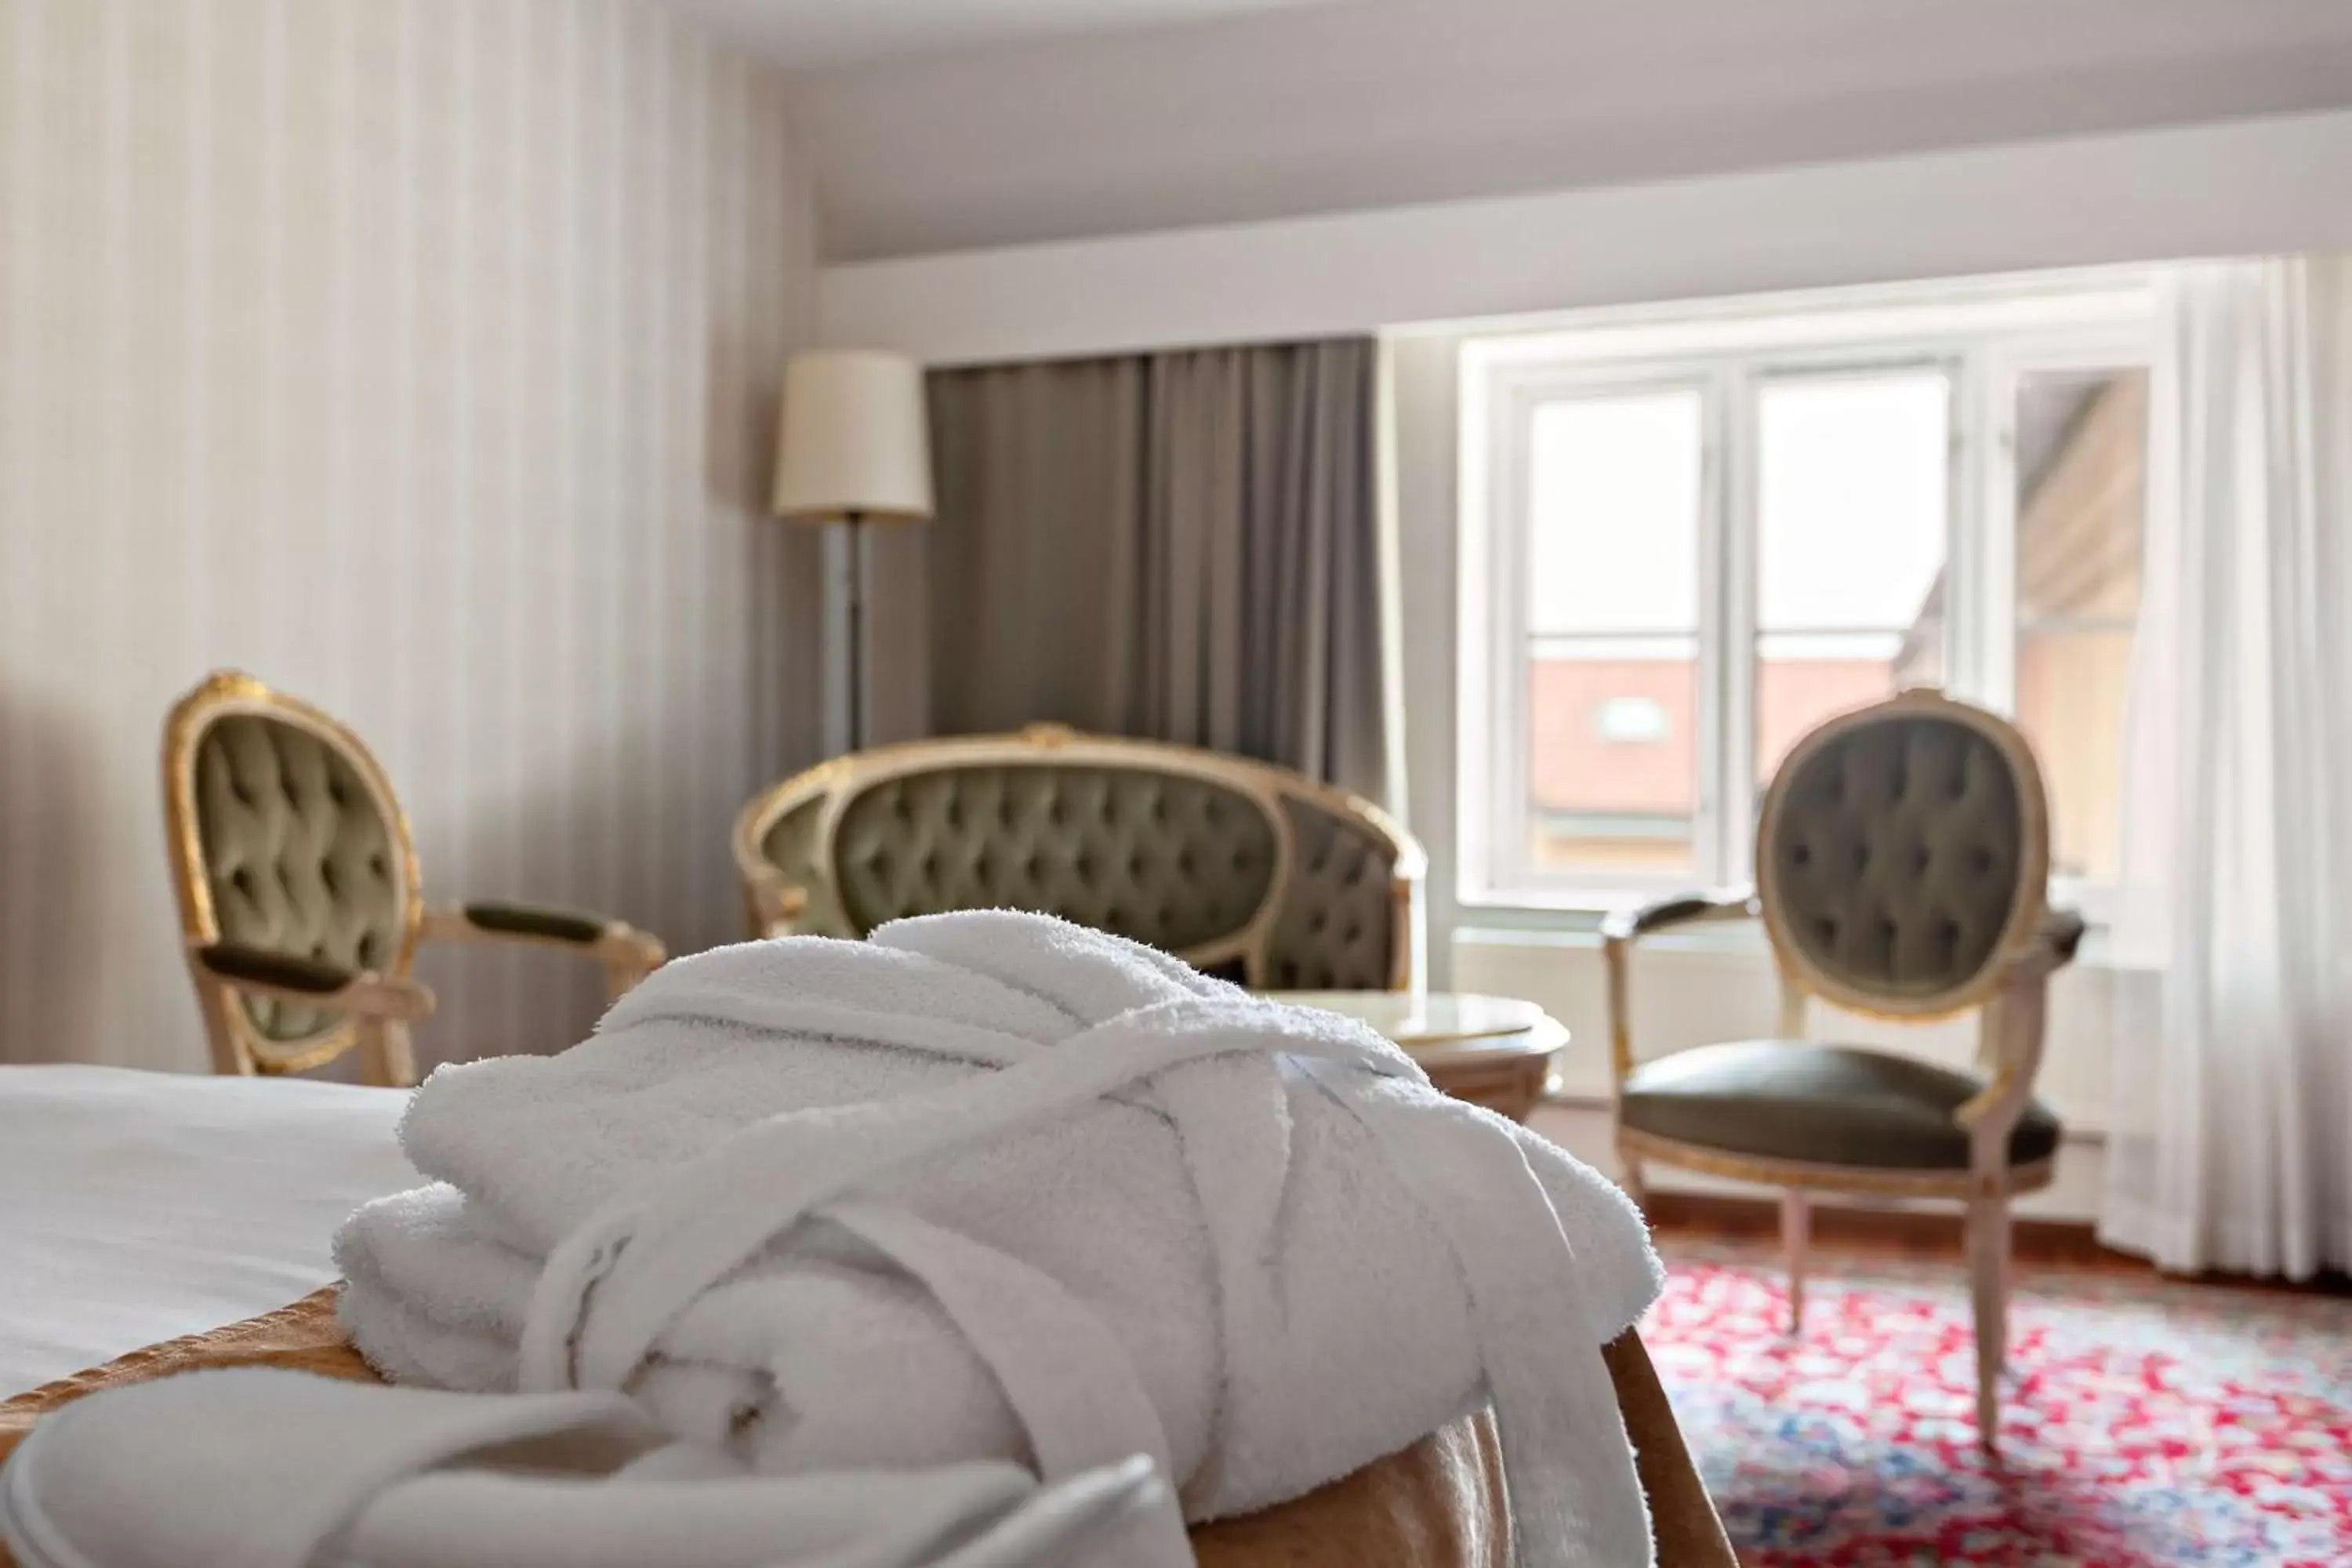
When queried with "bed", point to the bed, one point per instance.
{"points": [[138, 1206], [151, 1222]]}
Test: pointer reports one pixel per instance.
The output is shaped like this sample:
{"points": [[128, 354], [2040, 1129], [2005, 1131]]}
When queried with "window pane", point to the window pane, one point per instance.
{"points": [[1852, 487], [1613, 503], [1613, 753], [2081, 455], [1612, 760]]}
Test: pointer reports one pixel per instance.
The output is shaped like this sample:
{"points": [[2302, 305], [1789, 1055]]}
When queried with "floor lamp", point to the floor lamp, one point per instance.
{"points": [[853, 447]]}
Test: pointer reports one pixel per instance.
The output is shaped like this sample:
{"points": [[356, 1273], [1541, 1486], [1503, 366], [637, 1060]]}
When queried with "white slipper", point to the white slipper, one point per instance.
{"points": [[264, 1468]]}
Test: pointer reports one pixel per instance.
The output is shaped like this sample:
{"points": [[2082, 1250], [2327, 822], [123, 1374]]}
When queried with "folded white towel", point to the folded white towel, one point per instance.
{"points": [[992, 1186], [416, 1478]]}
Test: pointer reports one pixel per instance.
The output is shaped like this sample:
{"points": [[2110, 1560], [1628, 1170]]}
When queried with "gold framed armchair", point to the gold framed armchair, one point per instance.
{"points": [[1236, 866], [1902, 859], [300, 894]]}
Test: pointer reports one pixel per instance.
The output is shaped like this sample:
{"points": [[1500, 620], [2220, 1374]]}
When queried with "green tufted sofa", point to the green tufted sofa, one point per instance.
{"points": [[299, 891], [1902, 864], [1243, 869]]}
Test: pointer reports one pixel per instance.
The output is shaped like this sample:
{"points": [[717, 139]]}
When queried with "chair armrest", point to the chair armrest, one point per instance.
{"points": [[535, 922], [1622, 927], [491, 921], [2013, 1028], [627, 955], [2051, 947], [1682, 909], [330, 986], [776, 905]]}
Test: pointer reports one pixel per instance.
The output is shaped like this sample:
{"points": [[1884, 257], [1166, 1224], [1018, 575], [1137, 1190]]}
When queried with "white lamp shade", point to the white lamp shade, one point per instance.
{"points": [[853, 438]]}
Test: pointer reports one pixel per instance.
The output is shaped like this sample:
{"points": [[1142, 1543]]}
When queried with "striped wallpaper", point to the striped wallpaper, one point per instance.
{"points": [[417, 356]]}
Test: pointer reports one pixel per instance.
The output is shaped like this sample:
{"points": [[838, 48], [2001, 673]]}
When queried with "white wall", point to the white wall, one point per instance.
{"points": [[420, 359], [2233, 188]]}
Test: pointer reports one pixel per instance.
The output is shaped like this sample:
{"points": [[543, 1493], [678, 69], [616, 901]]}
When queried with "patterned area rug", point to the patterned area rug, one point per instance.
{"points": [[2144, 1424]]}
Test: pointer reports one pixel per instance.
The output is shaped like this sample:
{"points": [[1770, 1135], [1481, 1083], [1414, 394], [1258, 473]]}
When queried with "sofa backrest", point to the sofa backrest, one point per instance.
{"points": [[1243, 869]]}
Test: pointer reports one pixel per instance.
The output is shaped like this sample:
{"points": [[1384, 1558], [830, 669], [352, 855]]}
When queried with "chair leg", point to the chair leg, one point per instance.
{"points": [[1796, 1234], [1989, 1289], [1629, 1177]]}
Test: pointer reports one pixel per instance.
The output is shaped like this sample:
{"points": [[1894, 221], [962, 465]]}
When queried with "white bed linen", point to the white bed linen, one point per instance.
{"points": [[135, 1206]]}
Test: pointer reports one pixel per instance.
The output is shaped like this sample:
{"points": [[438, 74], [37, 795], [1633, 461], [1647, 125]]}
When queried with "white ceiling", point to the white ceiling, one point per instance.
{"points": [[811, 34], [954, 126]]}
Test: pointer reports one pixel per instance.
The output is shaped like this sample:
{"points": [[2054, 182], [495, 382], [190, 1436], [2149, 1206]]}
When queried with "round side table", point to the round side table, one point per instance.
{"points": [[1494, 1051]]}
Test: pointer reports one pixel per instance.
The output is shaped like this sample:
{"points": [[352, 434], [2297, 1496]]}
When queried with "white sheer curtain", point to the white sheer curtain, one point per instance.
{"points": [[2232, 1143]]}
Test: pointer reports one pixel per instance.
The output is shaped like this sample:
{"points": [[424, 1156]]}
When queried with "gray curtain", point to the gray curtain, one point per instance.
{"points": [[1180, 546]]}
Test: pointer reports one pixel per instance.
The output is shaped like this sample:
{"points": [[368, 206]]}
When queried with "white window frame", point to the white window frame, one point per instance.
{"points": [[1984, 336]]}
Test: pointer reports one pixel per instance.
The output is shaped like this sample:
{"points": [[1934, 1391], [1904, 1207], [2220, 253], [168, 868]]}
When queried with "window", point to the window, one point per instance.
{"points": [[1852, 517], [1613, 627], [1689, 539], [2081, 469]]}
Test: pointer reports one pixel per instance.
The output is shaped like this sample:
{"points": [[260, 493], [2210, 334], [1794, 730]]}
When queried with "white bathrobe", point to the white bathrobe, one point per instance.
{"points": [[993, 1186]]}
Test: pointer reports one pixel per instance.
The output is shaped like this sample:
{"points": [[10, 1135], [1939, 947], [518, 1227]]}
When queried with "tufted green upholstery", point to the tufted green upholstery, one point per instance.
{"points": [[298, 857], [1825, 1104], [1181, 848], [1336, 928], [1897, 854], [1172, 860], [790, 845]]}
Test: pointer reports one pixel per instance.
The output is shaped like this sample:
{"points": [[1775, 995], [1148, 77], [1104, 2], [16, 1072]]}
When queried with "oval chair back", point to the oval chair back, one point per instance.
{"points": [[286, 841], [1902, 855]]}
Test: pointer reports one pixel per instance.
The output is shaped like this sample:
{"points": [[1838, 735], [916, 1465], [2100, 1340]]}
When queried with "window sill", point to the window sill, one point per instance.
{"points": [[1588, 902], [1499, 926]]}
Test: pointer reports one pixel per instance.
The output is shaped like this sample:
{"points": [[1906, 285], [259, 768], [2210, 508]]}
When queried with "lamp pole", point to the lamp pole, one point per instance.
{"points": [[855, 520]]}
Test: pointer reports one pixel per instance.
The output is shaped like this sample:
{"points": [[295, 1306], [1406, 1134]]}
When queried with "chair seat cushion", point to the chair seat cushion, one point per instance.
{"points": [[1825, 1104]]}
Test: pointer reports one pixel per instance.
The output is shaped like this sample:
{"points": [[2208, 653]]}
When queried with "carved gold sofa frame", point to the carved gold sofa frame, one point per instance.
{"points": [[1237, 867]]}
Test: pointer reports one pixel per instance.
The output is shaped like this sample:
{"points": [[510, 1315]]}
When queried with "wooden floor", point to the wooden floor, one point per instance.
{"points": [[1923, 1233]]}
